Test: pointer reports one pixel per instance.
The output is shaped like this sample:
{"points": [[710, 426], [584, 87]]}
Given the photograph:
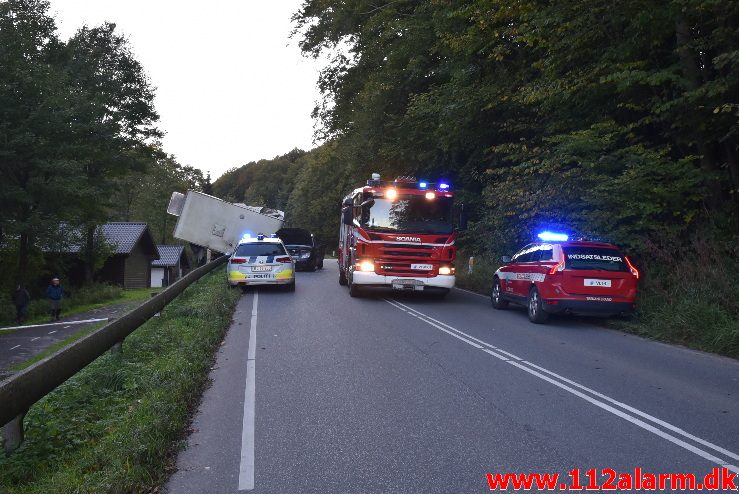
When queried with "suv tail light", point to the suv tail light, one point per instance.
{"points": [[634, 271], [560, 266], [283, 259], [237, 260]]}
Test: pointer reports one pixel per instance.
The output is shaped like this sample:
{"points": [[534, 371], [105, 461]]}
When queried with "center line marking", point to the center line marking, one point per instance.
{"points": [[52, 332], [246, 467], [559, 381], [16, 346], [36, 338]]}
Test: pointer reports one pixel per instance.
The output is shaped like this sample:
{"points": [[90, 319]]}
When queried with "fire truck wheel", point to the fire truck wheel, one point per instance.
{"points": [[354, 290], [536, 307], [342, 278], [495, 296]]}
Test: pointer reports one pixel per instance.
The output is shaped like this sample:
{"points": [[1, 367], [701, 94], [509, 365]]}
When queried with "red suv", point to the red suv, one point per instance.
{"points": [[552, 277]]}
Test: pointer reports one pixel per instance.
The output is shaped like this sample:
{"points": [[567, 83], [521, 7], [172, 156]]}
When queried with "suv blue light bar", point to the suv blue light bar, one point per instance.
{"points": [[553, 237]]}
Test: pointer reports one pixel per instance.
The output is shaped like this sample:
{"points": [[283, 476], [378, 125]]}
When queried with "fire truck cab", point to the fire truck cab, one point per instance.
{"points": [[399, 235]]}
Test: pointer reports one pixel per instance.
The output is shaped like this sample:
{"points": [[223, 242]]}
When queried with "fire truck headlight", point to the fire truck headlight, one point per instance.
{"points": [[430, 195], [366, 266], [446, 269], [391, 194]]}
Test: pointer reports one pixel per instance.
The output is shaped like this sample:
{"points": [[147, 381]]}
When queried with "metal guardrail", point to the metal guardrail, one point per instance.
{"points": [[20, 391]]}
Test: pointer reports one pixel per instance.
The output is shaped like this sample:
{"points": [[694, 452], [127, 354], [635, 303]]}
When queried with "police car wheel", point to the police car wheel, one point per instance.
{"points": [[495, 296], [535, 307], [290, 287]]}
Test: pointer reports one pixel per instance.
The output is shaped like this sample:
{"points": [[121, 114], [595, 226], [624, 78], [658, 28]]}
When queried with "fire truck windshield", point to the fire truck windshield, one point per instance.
{"points": [[409, 214]]}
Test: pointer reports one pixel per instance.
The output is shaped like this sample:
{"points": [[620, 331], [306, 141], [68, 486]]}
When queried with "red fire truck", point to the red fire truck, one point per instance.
{"points": [[398, 234]]}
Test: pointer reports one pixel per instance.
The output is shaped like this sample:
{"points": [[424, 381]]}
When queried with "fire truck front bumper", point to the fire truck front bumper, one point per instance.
{"points": [[402, 282]]}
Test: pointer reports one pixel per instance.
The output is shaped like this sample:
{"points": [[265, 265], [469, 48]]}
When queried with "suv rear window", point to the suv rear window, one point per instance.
{"points": [[594, 258], [260, 249]]}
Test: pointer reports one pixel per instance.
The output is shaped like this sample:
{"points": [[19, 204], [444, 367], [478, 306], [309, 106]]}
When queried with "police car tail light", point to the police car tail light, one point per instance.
{"points": [[560, 266], [634, 271], [238, 260], [283, 259]]}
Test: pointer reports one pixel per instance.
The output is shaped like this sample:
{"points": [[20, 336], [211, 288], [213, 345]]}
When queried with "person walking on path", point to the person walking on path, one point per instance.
{"points": [[21, 299], [54, 293]]}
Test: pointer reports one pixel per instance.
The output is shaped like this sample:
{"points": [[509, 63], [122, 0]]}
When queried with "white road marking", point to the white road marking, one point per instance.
{"points": [[246, 467], [54, 324], [36, 338], [16, 346], [470, 291], [541, 373], [52, 332]]}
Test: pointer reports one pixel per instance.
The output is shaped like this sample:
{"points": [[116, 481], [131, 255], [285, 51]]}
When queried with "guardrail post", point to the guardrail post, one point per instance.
{"points": [[13, 434], [470, 264]]}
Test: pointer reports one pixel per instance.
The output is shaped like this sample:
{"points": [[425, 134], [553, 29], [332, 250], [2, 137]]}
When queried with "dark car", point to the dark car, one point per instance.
{"points": [[579, 277], [303, 247]]}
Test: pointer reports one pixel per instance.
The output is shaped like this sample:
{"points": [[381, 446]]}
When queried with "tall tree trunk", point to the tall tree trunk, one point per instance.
{"points": [[707, 150], [90, 257], [24, 249]]}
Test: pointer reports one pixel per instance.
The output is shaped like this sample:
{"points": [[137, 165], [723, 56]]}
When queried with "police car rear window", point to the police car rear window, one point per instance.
{"points": [[260, 249], [594, 258]]}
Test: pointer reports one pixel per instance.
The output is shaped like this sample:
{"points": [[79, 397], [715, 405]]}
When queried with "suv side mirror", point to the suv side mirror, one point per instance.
{"points": [[506, 259], [346, 216]]}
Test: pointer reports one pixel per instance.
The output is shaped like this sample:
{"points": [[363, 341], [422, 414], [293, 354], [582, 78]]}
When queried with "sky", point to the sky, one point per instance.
{"points": [[231, 86]]}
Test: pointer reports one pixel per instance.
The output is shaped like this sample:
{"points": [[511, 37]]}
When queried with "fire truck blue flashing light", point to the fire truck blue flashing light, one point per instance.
{"points": [[443, 186], [553, 237], [423, 185]]}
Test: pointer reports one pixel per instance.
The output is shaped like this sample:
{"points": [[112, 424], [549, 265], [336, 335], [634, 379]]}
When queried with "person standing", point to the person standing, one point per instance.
{"points": [[54, 293], [21, 299]]}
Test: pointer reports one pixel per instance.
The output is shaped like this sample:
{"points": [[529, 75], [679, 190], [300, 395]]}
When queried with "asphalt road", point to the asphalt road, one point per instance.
{"points": [[19, 345], [314, 391]]}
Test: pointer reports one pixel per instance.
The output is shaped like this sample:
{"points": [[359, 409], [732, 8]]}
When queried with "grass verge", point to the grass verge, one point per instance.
{"points": [[83, 300], [115, 426]]}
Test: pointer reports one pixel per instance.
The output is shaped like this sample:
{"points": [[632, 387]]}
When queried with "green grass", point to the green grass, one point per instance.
{"points": [[116, 426], [83, 300]]}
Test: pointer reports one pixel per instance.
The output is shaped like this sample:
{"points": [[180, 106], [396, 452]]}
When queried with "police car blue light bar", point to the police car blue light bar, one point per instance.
{"points": [[553, 237], [260, 236]]}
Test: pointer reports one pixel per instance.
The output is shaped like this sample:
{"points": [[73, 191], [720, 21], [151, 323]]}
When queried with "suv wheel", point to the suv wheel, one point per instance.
{"points": [[495, 296], [536, 307]]}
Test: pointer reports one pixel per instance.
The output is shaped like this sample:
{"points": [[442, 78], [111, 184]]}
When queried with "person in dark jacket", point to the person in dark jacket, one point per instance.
{"points": [[54, 293], [21, 299]]}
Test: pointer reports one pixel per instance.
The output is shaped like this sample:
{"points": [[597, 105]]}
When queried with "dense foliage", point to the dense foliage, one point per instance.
{"points": [[609, 120], [77, 135]]}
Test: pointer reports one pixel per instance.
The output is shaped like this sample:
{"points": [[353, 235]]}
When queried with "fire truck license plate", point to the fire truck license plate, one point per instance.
{"points": [[400, 284], [589, 282], [422, 267]]}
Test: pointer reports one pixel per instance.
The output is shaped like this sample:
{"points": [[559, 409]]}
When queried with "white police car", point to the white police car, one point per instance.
{"points": [[261, 261]]}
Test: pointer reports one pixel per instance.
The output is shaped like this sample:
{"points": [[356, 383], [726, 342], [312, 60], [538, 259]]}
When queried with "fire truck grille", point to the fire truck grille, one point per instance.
{"points": [[407, 250]]}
